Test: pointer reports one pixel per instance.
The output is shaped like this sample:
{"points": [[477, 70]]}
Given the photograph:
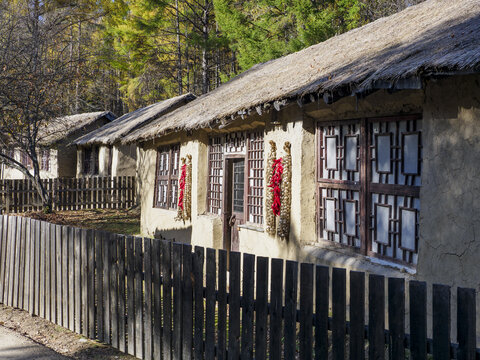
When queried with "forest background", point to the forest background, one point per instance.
{"points": [[125, 54]]}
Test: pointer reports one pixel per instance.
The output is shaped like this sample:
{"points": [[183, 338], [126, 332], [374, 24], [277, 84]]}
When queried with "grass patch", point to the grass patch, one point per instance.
{"points": [[121, 221]]}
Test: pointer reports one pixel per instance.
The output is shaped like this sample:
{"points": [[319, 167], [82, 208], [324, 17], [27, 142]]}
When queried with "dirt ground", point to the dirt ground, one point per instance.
{"points": [[57, 338], [125, 221]]}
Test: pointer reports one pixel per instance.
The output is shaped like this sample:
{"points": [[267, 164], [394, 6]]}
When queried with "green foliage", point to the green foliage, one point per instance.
{"points": [[263, 30]]}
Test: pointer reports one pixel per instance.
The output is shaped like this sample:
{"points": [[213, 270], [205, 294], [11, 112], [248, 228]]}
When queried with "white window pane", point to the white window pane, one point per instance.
{"points": [[410, 154], [382, 222], [351, 153], [350, 217], [331, 153], [330, 215], [383, 153], [408, 229]]}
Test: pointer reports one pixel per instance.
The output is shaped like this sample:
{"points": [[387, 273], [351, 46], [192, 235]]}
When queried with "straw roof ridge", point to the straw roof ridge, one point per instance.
{"points": [[434, 38], [62, 127], [117, 129]]}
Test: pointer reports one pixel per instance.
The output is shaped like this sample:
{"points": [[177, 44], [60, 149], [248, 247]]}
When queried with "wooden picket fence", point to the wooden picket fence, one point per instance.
{"points": [[157, 299], [17, 196]]}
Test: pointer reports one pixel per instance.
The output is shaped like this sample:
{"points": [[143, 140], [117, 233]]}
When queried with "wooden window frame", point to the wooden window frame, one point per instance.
{"points": [[45, 159], [170, 177], [249, 154], [365, 187]]}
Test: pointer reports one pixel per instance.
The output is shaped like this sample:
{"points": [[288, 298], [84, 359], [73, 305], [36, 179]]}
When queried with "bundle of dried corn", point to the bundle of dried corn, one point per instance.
{"points": [[286, 196], [270, 219]]}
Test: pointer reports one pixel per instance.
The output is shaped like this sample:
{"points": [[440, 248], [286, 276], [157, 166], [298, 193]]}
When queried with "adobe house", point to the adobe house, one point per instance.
{"points": [[102, 146], [382, 172], [57, 157]]}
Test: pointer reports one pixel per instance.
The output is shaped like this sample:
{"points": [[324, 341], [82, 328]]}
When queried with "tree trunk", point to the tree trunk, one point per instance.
{"points": [[205, 82], [179, 51]]}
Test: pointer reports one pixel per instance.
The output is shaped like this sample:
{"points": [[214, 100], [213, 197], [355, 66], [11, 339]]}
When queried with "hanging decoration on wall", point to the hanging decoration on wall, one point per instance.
{"points": [[275, 184], [188, 190], [185, 190], [286, 193], [270, 217], [181, 191]]}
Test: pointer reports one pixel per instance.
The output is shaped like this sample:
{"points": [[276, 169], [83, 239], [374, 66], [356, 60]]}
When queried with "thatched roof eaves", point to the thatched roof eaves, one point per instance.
{"points": [[63, 127], [117, 129], [436, 37]]}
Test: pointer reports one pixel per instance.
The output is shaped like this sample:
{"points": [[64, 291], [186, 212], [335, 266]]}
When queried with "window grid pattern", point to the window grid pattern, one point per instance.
{"points": [[166, 179], [369, 172], [215, 175], [255, 178], [45, 160]]}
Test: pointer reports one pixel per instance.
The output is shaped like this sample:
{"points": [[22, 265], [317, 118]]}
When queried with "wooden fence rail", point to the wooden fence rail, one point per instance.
{"points": [[18, 196], [157, 299]]}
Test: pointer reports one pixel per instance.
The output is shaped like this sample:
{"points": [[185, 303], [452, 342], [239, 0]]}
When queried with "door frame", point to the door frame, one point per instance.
{"points": [[227, 196]]}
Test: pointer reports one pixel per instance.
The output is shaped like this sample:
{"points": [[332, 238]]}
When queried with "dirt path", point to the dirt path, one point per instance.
{"points": [[60, 340], [14, 346]]}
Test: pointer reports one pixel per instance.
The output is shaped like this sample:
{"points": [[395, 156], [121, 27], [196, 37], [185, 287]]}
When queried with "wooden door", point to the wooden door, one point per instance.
{"points": [[234, 202]]}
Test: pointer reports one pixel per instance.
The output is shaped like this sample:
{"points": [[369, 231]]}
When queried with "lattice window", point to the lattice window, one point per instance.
{"points": [[215, 175], [90, 160], [45, 160], [25, 160], [255, 178], [369, 177], [166, 177]]}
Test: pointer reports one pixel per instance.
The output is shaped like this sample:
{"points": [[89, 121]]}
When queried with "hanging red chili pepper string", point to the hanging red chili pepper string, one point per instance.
{"points": [[182, 186], [275, 185]]}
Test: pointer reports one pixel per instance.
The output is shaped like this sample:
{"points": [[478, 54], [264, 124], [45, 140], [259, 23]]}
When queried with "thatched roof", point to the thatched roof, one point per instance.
{"points": [[436, 37], [63, 127], [117, 129]]}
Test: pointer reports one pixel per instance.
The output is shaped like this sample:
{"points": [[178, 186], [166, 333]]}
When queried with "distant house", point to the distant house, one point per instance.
{"points": [[384, 130], [100, 151], [57, 157]]}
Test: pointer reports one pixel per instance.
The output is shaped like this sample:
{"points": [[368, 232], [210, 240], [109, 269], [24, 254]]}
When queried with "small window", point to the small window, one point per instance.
{"points": [[26, 160], [45, 160], [90, 161], [166, 177]]}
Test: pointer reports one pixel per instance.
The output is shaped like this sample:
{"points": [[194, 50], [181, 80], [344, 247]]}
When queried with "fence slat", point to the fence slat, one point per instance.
{"points": [[113, 290], [147, 262], [107, 269], [78, 284], [21, 275], [210, 304], [321, 311], [261, 308], [131, 294], [3, 251], [43, 252], [276, 287], [306, 310], [157, 300], [122, 320], [84, 279], [247, 306], [357, 315], [177, 301], [396, 318], [166, 249], [466, 324], [234, 307], [71, 278], [187, 302], [441, 321], [58, 265], [418, 320], [99, 285], [376, 317], [338, 313], [222, 305], [31, 265], [139, 334], [198, 261], [91, 283], [290, 313], [17, 264]]}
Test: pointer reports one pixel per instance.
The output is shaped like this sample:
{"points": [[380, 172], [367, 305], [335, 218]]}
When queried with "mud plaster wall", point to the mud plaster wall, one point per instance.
{"points": [[124, 160], [449, 246]]}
